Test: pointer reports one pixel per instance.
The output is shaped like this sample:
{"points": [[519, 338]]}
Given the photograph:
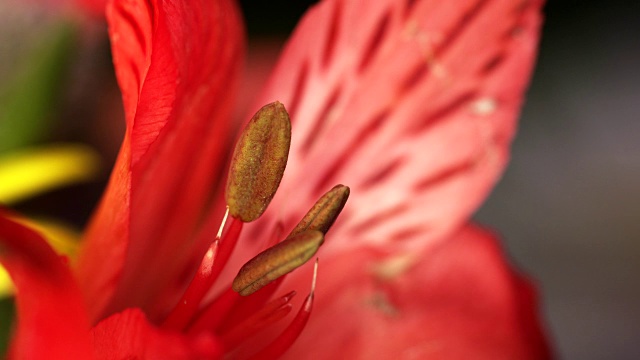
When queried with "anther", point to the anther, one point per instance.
{"points": [[258, 162], [277, 261], [325, 211]]}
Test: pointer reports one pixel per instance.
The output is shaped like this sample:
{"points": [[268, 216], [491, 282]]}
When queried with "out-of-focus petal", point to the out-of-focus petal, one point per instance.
{"points": [[176, 64], [128, 335], [30, 172], [413, 104], [62, 237], [458, 300], [93, 8], [52, 322]]}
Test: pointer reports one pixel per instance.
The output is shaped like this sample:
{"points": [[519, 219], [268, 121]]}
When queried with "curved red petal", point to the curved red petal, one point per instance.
{"points": [[176, 64], [52, 321], [459, 300], [129, 335], [413, 104]]}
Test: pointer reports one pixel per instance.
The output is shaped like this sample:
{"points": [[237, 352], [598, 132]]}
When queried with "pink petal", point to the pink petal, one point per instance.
{"points": [[176, 63], [52, 322], [128, 335], [413, 104], [459, 300]]}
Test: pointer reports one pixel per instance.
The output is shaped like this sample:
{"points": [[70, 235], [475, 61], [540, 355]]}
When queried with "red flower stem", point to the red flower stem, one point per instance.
{"points": [[284, 341], [206, 275]]}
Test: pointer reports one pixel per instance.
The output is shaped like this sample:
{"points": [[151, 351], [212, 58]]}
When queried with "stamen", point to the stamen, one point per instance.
{"points": [[314, 279], [190, 300], [224, 222], [257, 167], [277, 261], [207, 273], [267, 315], [258, 162], [227, 245], [284, 341], [212, 315], [325, 211], [247, 304]]}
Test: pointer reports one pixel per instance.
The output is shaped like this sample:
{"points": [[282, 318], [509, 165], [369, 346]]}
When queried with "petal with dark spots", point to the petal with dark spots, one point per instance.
{"points": [[412, 104]]}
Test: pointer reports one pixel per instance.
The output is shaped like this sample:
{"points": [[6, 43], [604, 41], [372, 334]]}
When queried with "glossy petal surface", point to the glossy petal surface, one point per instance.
{"points": [[459, 300], [51, 318], [176, 64], [413, 104]]}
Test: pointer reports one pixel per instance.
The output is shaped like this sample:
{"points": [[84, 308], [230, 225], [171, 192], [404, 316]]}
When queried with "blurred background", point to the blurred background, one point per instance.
{"points": [[569, 204], [567, 207]]}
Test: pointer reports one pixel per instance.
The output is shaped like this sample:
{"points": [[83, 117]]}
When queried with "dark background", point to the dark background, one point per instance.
{"points": [[569, 204]]}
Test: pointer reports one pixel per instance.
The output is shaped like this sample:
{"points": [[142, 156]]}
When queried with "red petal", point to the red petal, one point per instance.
{"points": [[52, 320], [176, 64], [128, 335], [459, 300], [413, 104]]}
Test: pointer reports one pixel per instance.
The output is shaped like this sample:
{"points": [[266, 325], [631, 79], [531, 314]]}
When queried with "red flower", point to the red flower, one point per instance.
{"points": [[411, 103]]}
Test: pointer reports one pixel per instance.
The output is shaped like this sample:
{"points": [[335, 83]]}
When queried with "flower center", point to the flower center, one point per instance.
{"points": [[249, 305]]}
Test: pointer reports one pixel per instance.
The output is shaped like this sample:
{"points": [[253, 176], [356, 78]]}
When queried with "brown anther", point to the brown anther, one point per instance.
{"points": [[277, 261], [258, 162], [325, 211]]}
